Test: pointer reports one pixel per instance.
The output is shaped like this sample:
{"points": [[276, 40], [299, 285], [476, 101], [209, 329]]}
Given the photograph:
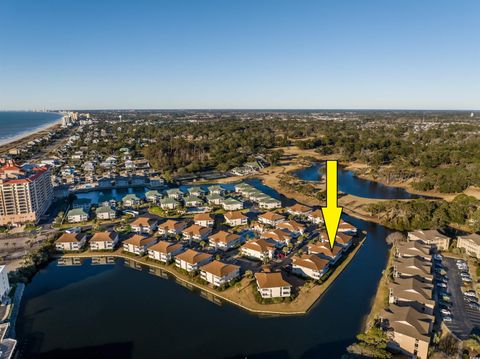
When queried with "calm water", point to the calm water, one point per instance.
{"points": [[19, 123], [351, 184], [110, 311], [113, 311]]}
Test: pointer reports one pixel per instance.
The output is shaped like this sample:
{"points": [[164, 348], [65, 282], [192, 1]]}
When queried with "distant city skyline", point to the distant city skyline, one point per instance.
{"points": [[270, 54]]}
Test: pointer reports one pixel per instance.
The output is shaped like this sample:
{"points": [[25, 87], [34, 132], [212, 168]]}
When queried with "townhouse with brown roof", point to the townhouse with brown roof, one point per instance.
{"points": [[281, 237], [218, 273], [310, 265], [293, 227], [347, 228], [144, 225], [191, 260], [164, 251], [260, 248], [413, 249], [204, 219], [70, 242], [224, 240], [107, 240], [235, 218], [432, 237], [272, 284], [412, 267], [196, 233], [316, 217], [172, 227], [412, 292], [409, 330], [342, 239], [324, 250], [271, 218], [138, 244], [299, 210], [471, 244]]}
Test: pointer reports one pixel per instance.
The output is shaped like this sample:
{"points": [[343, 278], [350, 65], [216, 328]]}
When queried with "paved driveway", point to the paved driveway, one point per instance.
{"points": [[465, 320]]}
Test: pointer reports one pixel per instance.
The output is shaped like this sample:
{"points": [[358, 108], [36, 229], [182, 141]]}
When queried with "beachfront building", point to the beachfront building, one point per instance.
{"points": [[191, 260], [172, 227], [271, 218], [432, 237], [470, 243], [105, 213], [77, 215], [310, 265], [272, 285], [235, 218], [70, 242], [169, 203], [218, 273], [196, 233], [144, 225], [224, 240], [204, 219], [138, 244], [4, 283], [26, 193], [231, 204], [107, 240], [409, 330], [164, 251], [261, 249]]}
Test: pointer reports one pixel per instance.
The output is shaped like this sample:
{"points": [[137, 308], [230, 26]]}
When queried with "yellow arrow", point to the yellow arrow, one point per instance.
{"points": [[332, 213]]}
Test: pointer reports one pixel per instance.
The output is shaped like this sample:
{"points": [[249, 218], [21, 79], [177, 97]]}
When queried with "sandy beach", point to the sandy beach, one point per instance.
{"points": [[27, 136]]}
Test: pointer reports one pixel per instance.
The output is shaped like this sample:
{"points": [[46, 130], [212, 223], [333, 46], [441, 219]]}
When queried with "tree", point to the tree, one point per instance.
{"points": [[372, 344]]}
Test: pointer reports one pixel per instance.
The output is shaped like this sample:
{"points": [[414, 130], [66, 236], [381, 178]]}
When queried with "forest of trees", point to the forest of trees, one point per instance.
{"points": [[443, 155]]}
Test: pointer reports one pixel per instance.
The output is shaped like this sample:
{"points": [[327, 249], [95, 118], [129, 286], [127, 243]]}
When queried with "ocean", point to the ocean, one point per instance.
{"points": [[17, 124]]}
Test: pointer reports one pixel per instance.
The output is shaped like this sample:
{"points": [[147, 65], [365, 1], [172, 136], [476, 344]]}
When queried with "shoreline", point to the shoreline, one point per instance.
{"points": [[29, 135], [242, 297]]}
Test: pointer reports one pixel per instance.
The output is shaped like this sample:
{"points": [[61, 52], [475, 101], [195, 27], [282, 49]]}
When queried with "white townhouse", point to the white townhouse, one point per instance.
{"points": [[107, 240], [272, 285], [169, 203], [269, 203], [77, 215], [310, 265], [204, 219], [230, 204], [259, 248], [218, 273], [224, 240], [271, 218], [316, 217], [138, 244], [196, 233], [191, 260], [299, 210], [105, 213], [172, 227], [144, 225], [164, 251], [71, 242], [235, 218]]}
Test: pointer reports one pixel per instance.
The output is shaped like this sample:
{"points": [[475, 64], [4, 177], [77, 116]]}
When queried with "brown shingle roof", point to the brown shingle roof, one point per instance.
{"points": [[232, 215], [409, 321], [272, 216], [138, 240], [196, 230], [271, 280], [219, 269], [70, 237], [260, 245], [143, 221], [165, 247], [224, 237], [311, 261], [107, 236], [203, 217], [193, 257]]}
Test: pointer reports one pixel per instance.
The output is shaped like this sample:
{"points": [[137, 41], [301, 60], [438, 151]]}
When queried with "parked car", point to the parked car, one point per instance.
{"points": [[446, 312], [441, 284], [438, 257], [447, 319]]}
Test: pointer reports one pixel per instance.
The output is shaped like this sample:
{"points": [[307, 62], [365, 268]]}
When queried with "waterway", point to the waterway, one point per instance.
{"points": [[114, 311], [349, 183]]}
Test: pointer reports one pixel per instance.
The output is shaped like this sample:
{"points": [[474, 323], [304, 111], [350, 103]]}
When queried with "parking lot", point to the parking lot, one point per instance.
{"points": [[465, 319]]}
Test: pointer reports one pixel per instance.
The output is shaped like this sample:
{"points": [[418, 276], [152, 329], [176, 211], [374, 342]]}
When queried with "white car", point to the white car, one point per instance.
{"points": [[447, 319], [438, 257], [446, 312], [470, 294], [441, 284]]}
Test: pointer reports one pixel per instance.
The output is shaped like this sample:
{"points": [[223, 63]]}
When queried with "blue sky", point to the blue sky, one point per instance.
{"points": [[240, 54]]}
